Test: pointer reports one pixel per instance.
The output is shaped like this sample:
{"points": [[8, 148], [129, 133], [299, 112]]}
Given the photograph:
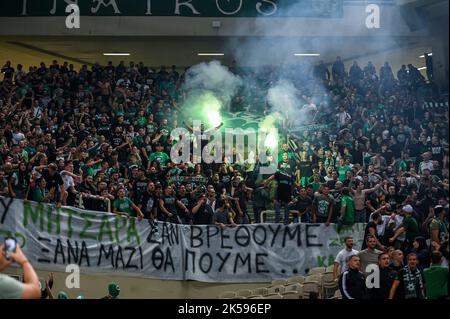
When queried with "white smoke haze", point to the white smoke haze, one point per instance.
{"points": [[290, 95], [213, 77]]}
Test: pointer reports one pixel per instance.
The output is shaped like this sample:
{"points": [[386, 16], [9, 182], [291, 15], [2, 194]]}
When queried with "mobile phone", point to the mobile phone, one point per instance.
{"points": [[10, 246]]}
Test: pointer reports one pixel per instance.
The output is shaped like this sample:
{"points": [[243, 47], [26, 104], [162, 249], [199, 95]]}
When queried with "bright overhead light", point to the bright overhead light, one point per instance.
{"points": [[423, 55], [307, 54], [210, 54], [116, 54], [422, 68]]}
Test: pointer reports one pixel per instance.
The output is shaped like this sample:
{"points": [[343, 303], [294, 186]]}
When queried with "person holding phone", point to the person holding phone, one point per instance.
{"points": [[10, 288]]}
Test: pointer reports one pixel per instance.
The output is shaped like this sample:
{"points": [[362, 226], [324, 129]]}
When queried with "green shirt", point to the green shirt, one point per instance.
{"points": [[315, 186], [124, 205], [349, 217], [342, 171], [412, 228], [10, 288], [160, 157], [141, 121], [86, 169], [39, 194], [436, 282]]}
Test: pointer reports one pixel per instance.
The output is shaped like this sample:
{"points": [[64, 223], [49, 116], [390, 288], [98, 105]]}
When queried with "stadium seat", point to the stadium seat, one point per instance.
{"points": [[292, 295], [330, 268], [328, 284], [313, 278], [227, 295], [244, 292], [294, 287], [275, 289], [337, 295], [260, 291], [296, 279], [277, 282], [316, 270], [273, 296], [309, 287], [255, 297]]}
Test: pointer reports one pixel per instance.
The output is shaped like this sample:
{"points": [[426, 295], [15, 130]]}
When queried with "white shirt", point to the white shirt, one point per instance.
{"points": [[68, 181], [398, 220], [342, 256], [212, 204], [381, 228]]}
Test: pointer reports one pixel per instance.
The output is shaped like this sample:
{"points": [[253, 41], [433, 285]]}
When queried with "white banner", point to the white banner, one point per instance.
{"points": [[106, 243]]}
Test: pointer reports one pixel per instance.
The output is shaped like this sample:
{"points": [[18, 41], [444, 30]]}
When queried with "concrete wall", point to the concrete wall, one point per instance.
{"points": [[352, 24], [95, 287]]}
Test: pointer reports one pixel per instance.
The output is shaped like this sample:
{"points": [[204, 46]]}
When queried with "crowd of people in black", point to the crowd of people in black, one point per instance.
{"points": [[99, 137]]}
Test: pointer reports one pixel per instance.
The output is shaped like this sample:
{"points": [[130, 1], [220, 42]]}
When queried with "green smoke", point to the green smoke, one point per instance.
{"points": [[269, 126], [205, 107]]}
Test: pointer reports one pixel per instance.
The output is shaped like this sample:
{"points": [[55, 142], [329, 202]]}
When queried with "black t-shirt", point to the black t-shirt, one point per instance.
{"points": [[225, 179], [139, 187], [393, 200], [81, 136], [284, 187], [303, 203], [116, 140], [170, 203], [388, 155], [52, 181], [305, 168], [437, 152], [287, 167], [369, 225], [8, 72], [186, 200], [414, 149], [242, 201], [204, 216], [148, 202]]}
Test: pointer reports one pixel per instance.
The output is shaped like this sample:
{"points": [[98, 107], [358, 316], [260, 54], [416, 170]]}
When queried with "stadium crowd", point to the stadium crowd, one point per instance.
{"points": [[89, 136]]}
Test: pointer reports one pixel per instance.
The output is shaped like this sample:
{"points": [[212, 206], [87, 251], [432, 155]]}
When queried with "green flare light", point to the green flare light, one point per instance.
{"points": [[269, 126], [204, 107]]}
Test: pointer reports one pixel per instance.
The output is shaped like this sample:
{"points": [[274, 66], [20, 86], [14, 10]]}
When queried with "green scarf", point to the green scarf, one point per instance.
{"points": [[412, 279]]}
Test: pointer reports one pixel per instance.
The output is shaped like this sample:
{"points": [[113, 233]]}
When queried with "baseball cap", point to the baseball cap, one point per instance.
{"points": [[408, 209]]}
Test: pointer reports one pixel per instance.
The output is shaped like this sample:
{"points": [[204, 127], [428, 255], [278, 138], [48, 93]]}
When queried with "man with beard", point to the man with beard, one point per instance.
{"points": [[186, 199], [168, 205], [302, 203], [139, 185], [340, 262], [322, 208], [371, 229], [202, 212], [147, 202], [284, 180], [369, 255], [410, 282]]}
